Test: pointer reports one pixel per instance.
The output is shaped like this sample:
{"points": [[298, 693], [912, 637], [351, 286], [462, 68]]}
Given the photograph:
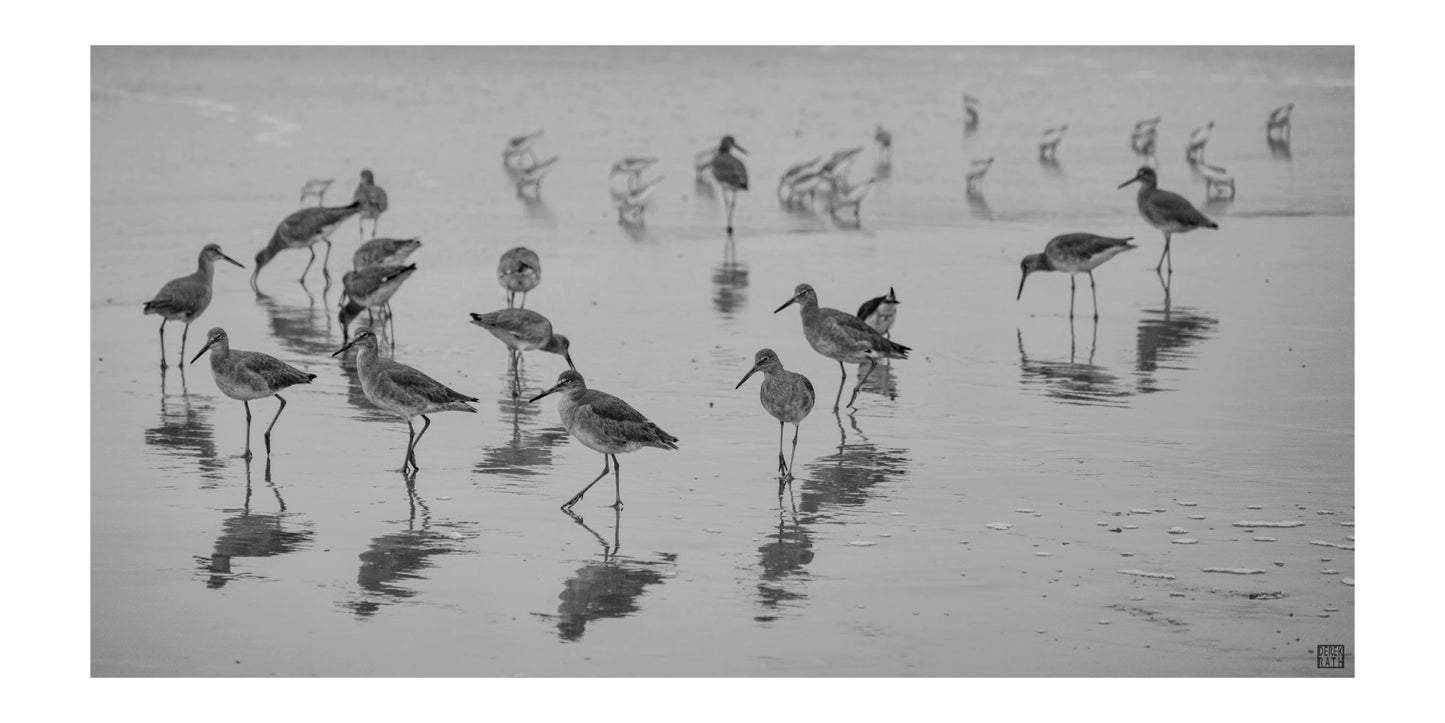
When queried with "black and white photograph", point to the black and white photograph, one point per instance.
{"points": [[712, 361]]}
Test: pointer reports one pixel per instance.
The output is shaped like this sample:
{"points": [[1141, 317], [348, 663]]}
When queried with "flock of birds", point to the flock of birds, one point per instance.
{"points": [[600, 421]]}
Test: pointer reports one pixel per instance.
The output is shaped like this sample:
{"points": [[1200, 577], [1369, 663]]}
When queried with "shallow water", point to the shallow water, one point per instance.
{"points": [[1016, 498]]}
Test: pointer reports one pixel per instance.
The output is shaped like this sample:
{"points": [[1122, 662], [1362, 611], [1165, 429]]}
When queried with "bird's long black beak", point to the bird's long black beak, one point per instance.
{"points": [[1021, 286], [568, 357], [1128, 182], [744, 150], [237, 263], [349, 344], [203, 350], [747, 376], [554, 388], [785, 305]]}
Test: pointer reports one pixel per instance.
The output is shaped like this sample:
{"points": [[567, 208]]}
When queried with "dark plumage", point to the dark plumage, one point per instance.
{"points": [[303, 229], [1166, 211], [248, 375]]}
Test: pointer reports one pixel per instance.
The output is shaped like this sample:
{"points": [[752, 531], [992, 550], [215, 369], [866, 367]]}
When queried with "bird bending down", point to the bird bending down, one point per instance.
{"points": [[731, 175], [368, 289], [1074, 253], [524, 330], [1166, 211], [301, 230], [373, 202], [185, 298], [519, 271], [402, 390], [842, 337], [248, 375], [606, 424], [880, 312], [788, 396]]}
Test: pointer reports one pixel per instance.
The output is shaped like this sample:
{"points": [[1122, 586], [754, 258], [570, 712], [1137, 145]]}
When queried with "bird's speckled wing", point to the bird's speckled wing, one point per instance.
{"points": [[275, 373], [864, 337], [1165, 206], [409, 382], [1080, 247], [517, 322]]}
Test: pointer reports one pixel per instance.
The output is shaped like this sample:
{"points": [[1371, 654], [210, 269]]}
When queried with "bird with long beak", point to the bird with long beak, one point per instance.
{"points": [[248, 375], [524, 330], [731, 174], [788, 396], [1166, 211], [301, 230], [184, 299], [402, 390], [843, 338], [1074, 253], [606, 424]]}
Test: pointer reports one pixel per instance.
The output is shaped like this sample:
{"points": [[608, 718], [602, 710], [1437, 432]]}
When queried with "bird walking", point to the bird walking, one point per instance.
{"points": [[1166, 211], [788, 396], [606, 424], [384, 252], [370, 288], [880, 312], [250, 375], [185, 298], [402, 391], [524, 330], [301, 230], [843, 338], [373, 202], [731, 175], [519, 271], [1074, 253]]}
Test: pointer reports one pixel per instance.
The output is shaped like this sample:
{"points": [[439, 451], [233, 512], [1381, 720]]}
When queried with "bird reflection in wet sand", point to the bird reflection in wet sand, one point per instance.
{"points": [[730, 281], [608, 588], [304, 330], [253, 534], [528, 451], [394, 560], [1074, 381], [847, 477], [185, 429], [1164, 338], [781, 559]]}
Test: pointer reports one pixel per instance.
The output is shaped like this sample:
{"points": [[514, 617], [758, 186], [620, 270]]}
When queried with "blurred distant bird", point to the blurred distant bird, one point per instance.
{"points": [[1194, 152], [372, 199], [315, 187], [1049, 144], [1218, 184], [731, 175], [632, 203], [384, 252], [880, 312], [531, 176], [1278, 125], [702, 161], [970, 110], [605, 424], [1074, 253], [847, 195], [301, 230], [248, 375], [791, 175], [632, 167], [1166, 211], [368, 289], [519, 271], [976, 171], [885, 145], [518, 151], [184, 299], [787, 396], [1145, 136]]}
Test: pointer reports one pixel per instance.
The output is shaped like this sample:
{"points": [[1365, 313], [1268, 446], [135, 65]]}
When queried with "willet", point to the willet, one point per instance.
{"points": [[519, 271], [1218, 184], [402, 390], [788, 396], [315, 187], [880, 312], [384, 252], [301, 230], [532, 175], [518, 151], [849, 196], [370, 288], [248, 375], [1049, 144], [977, 169], [185, 298], [632, 167], [842, 337], [632, 203], [1074, 253], [372, 199], [1166, 211], [791, 175], [524, 330], [1145, 136], [731, 175], [885, 145], [1194, 152], [1278, 126], [606, 424]]}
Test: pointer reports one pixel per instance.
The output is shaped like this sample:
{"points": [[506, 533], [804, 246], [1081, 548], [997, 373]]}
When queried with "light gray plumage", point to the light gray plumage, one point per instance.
{"points": [[301, 230], [1074, 253], [185, 298], [249, 375], [384, 252], [788, 396], [842, 337], [519, 271], [1166, 211], [524, 330]]}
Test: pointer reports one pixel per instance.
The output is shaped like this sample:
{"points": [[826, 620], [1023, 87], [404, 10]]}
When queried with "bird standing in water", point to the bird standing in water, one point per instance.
{"points": [[248, 375], [731, 174], [842, 337], [301, 230], [185, 298], [372, 199], [788, 396], [1074, 253], [1166, 211], [519, 271]]}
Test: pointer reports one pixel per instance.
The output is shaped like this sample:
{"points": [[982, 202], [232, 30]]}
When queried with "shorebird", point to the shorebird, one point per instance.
{"points": [[532, 176], [1166, 211], [524, 330], [970, 111], [702, 161], [1074, 253], [518, 151], [1218, 184], [519, 271], [606, 424], [788, 396], [402, 390], [885, 145], [372, 199], [1194, 152], [370, 288], [1278, 125], [185, 298], [880, 312], [1049, 144], [976, 171], [384, 252], [842, 337], [632, 203], [1145, 136], [846, 196], [315, 187], [731, 175], [248, 375], [631, 167], [792, 175], [301, 230]]}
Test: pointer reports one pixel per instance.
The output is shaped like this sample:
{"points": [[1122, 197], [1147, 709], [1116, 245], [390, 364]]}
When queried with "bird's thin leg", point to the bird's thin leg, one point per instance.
{"points": [[510, 296], [872, 364], [1162, 254], [326, 262], [247, 454], [731, 199], [841, 381], [1071, 296], [410, 440], [1169, 254], [782, 466], [1095, 293], [163, 342], [374, 223], [578, 497], [310, 261], [273, 424], [617, 481], [424, 427], [794, 455], [523, 305], [369, 320], [184, 333]]}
